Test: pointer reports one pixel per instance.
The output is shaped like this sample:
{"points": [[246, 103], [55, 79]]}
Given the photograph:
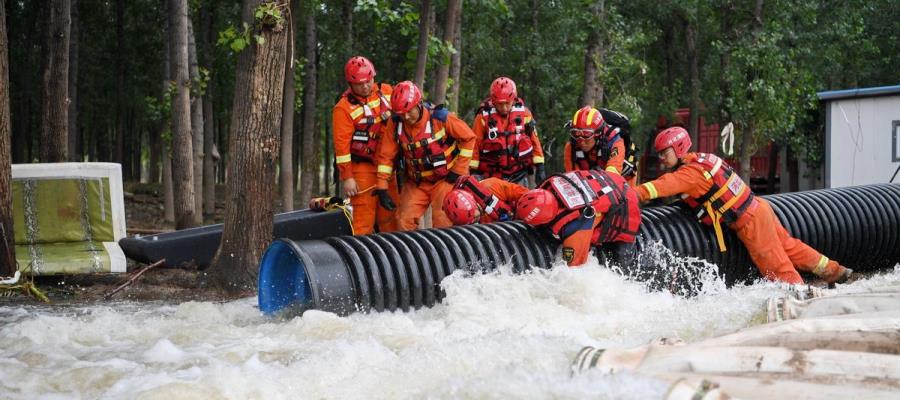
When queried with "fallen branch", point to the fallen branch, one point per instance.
{"points": [[133, 278]]}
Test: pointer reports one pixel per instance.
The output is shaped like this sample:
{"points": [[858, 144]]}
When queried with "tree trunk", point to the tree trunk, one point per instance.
{"points": [[74, 136], [164, 126], [253, 153], [308, 146], [443, 71], [182, 148], [347, 20], [7, 248], [209, 164], [168, 190], [455, 61], [592, 94], [121, 70], [750, 131], [286, 177], [422, 48], [690, 38], [196, 125], [55, 105]]}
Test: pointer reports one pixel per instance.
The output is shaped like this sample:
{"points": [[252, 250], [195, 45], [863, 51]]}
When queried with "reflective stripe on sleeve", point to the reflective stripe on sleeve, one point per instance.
{"points": [[651, 189]]}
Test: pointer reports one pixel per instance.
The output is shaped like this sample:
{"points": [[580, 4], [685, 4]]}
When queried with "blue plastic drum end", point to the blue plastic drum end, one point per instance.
{"points": [[283, 281]]}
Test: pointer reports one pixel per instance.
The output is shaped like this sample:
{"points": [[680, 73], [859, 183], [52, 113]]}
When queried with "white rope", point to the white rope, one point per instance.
{"points": [[728, 136]]}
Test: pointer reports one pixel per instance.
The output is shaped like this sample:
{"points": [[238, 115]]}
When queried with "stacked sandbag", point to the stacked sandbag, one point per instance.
{"points": [[817, 346]]}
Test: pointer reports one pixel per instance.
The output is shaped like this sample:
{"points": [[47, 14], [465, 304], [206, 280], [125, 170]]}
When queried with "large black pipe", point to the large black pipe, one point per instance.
{"points": [[858, 226], [199, 245]]}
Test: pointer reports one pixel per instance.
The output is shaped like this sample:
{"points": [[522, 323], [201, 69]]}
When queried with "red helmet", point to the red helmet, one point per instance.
{"points": [[537, 207], [460, 207], [503, 90], [358, 70], [587, 117], [675, 137], [406, 96]]}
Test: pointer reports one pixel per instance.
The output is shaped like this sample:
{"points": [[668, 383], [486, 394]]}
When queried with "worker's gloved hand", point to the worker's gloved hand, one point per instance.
{"points": [[539, 173], [324, 203], [384, 199], [452, 177]]}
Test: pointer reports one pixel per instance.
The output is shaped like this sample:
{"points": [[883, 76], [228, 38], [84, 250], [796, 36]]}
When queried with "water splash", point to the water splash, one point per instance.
{"points": [[497, 335]]}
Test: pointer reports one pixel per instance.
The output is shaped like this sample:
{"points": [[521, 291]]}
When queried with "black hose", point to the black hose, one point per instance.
{"points": [[857, 226]]}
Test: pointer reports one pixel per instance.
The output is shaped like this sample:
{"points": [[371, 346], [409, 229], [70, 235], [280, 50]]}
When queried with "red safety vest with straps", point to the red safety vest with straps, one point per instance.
{"points": [[493, 208], [598, 156], [605, 193], [368, 120], [504, 153], [431, 152], [727, 199]]}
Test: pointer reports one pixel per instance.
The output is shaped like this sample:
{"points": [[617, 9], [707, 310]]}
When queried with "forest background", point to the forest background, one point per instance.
{"points": [[151, 84]]}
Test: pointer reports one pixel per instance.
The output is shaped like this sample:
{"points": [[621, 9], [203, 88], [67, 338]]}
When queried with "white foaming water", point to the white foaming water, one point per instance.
{"points": [[499, 335]]}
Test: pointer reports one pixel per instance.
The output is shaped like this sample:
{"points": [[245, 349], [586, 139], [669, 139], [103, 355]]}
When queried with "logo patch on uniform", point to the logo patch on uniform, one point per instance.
{"points": [[614, 152], [568, 254]]}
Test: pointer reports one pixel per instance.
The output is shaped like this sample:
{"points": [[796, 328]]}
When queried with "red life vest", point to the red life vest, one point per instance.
{"points": [[368, 120], [431, 152], [493, 208], [504, 153], [727, 199], [606, 193]]}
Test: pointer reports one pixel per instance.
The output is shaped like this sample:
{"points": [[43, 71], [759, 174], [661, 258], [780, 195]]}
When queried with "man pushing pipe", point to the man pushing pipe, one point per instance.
{"points": [[719, 196]]}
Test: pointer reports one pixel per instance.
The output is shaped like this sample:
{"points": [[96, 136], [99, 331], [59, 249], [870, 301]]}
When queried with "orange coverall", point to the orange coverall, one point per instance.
{"points": [[366, 211], [771, 247], [416, 197], [578, 235], [507, 192], [503, 125], [616, 162]]}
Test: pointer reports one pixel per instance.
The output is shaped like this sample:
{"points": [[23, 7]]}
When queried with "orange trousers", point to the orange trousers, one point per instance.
{"points": [[414, 201], [776, 253], [367, 213]]}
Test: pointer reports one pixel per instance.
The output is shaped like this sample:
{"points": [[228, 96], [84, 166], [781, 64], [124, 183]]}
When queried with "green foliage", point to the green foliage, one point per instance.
{"points": [[268, 14], [768, 82]]}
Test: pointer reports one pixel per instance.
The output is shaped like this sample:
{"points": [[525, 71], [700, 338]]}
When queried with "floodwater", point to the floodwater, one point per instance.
{"points": [[496, 336]]}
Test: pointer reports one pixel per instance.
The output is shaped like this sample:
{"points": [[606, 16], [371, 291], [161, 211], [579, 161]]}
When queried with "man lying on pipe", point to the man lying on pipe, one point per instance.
{"points": [[718, 195], [581, 208]]}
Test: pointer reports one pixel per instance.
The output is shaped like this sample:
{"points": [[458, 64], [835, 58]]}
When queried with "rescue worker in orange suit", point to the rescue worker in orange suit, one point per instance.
{"points": [[436, 146], [490, 200], [718, 195], [506, 141], [595, 144], [359, 118], [585, 209]]}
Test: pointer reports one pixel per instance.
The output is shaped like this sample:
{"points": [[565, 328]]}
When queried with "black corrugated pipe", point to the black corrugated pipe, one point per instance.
{"points": [[857, 226]]}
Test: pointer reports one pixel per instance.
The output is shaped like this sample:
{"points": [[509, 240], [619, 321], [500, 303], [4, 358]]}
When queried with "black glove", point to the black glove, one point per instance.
{"points": [[384, 199], [539, 174], [452, 177]]}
